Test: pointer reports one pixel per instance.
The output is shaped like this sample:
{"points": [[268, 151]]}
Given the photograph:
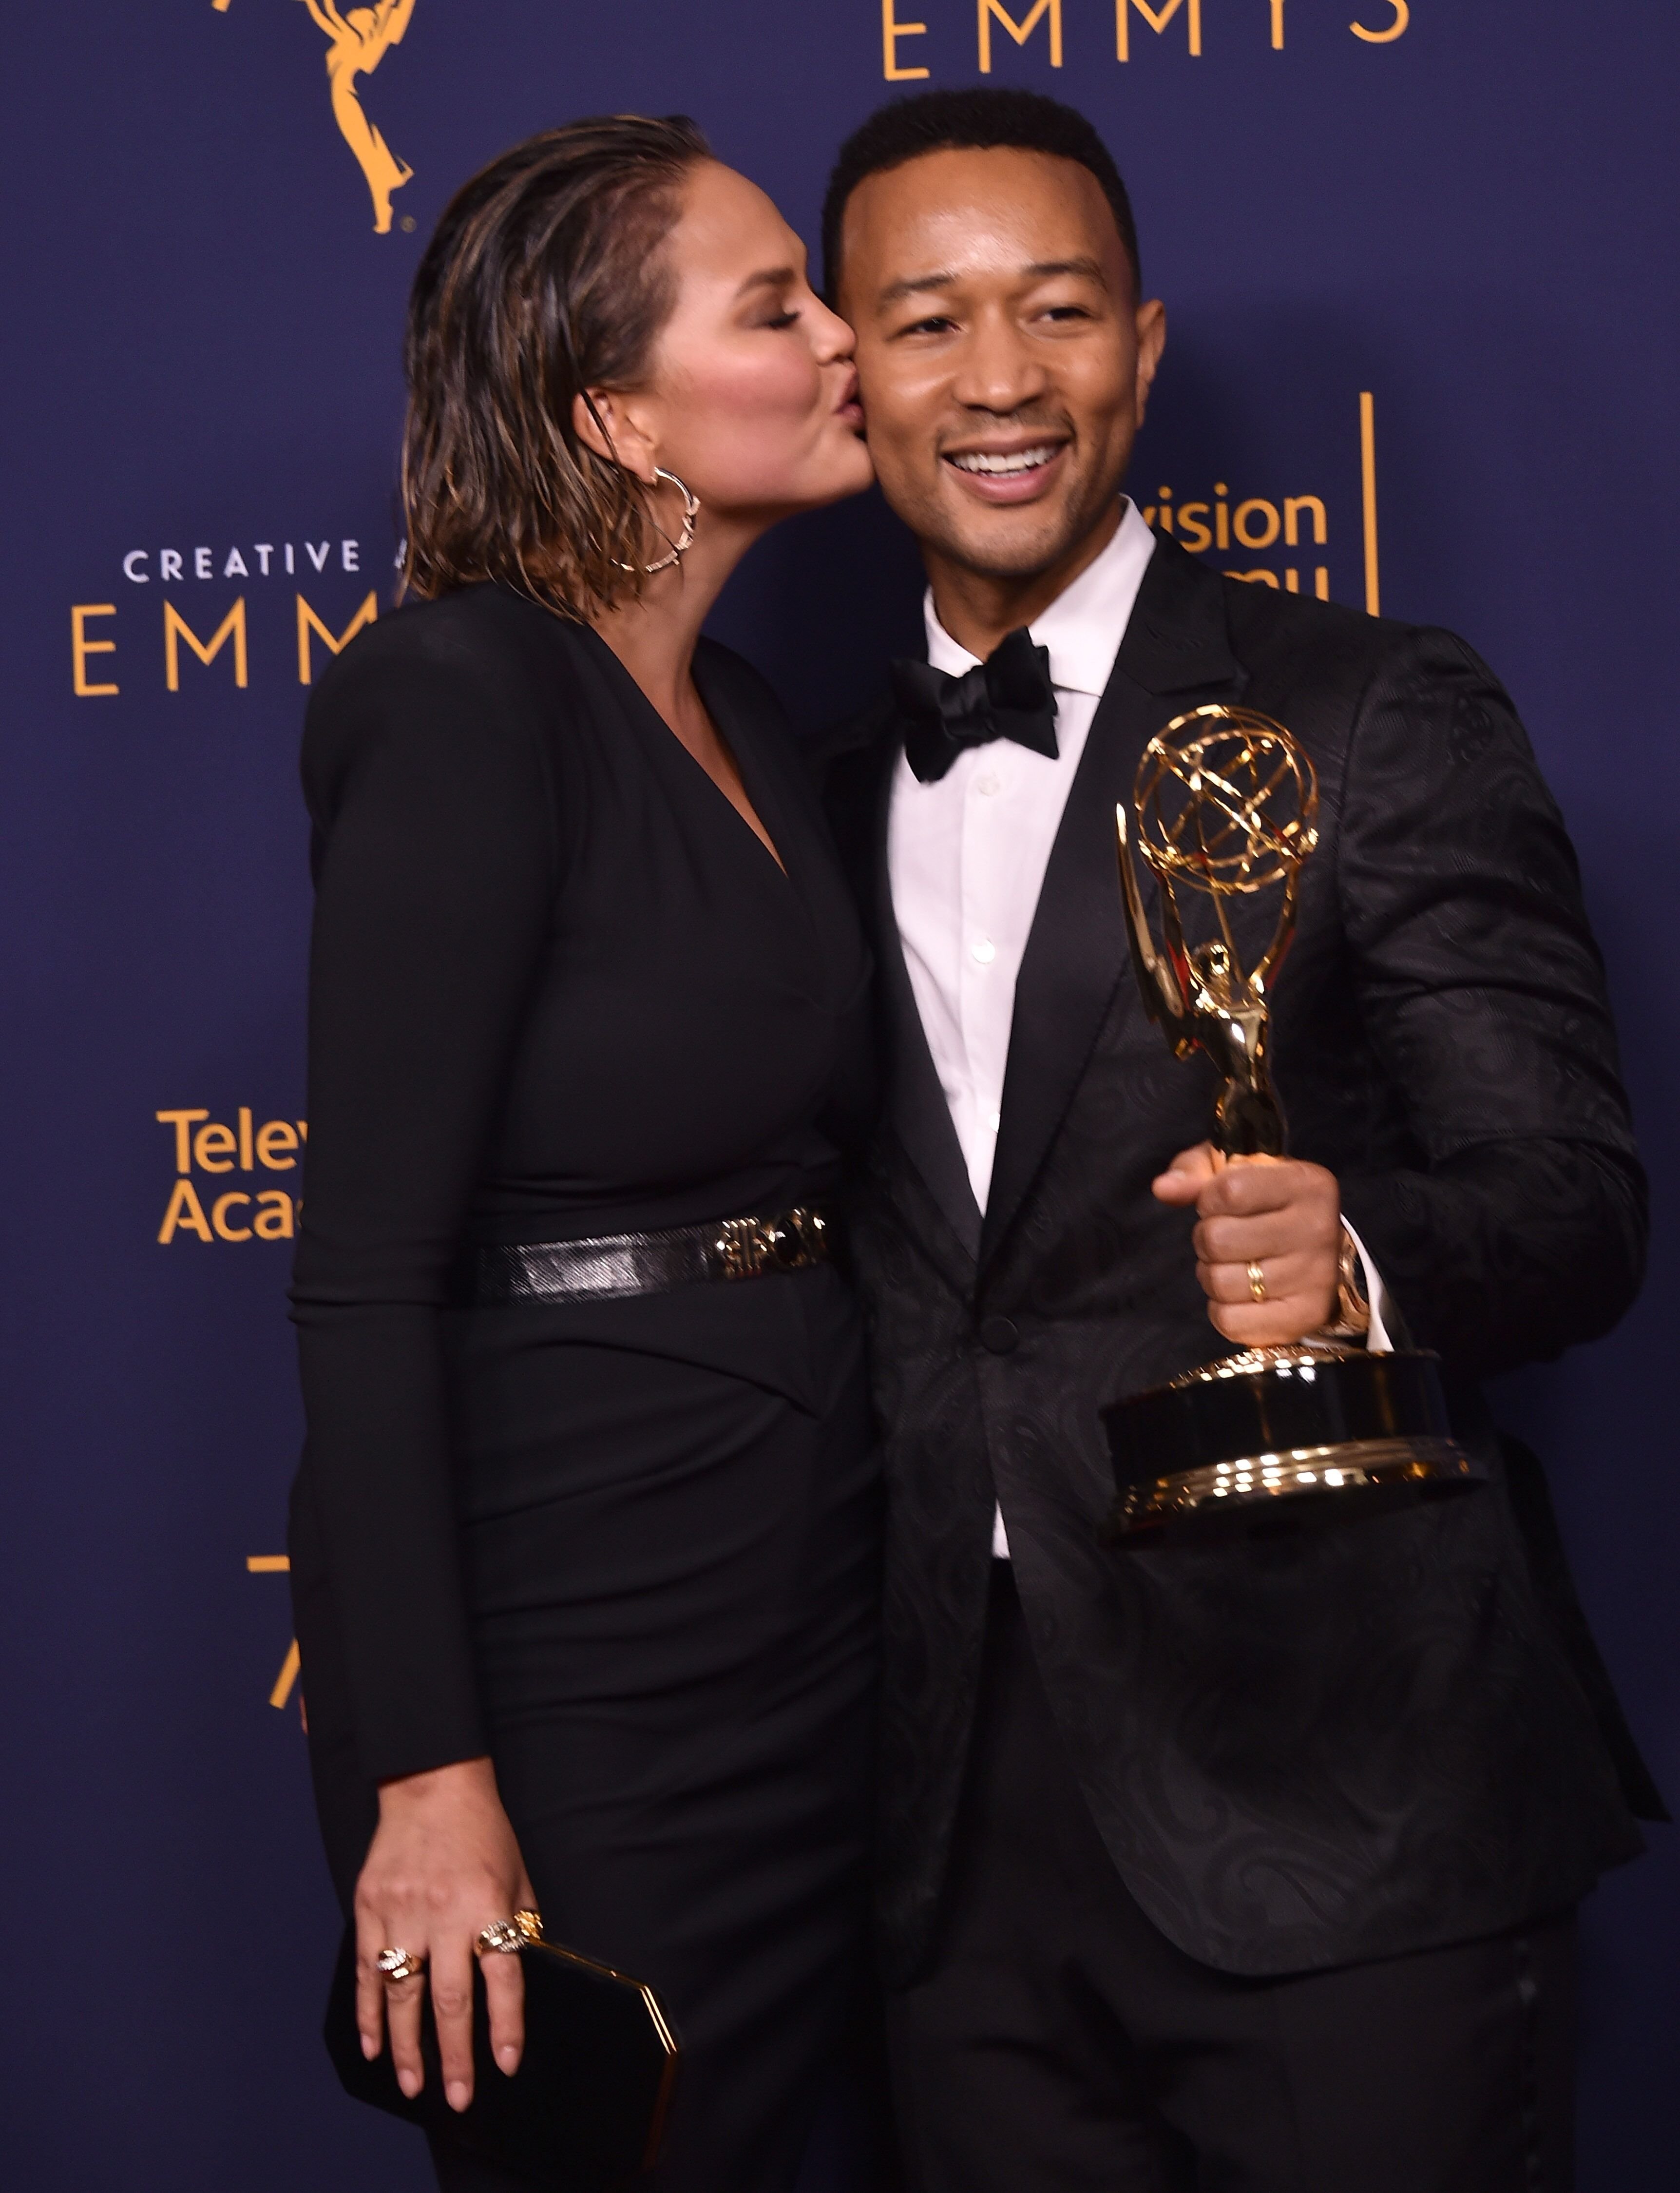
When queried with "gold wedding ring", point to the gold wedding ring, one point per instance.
{"points": [[1257, 1282], [399, 1965]]}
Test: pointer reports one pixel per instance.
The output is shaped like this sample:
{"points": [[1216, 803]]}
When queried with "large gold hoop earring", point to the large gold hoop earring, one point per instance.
{"points": [[690, 511]]}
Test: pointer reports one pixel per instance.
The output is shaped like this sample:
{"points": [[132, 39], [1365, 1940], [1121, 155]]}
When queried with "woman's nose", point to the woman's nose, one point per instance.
{"points": [[833, 336]]}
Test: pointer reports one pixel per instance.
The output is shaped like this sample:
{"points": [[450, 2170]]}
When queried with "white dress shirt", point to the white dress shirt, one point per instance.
{"points": [[966, 858]]}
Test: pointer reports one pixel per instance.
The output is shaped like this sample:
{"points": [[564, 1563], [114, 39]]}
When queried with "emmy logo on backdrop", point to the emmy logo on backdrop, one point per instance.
{"points": [[1225, 807], [360, 39]]}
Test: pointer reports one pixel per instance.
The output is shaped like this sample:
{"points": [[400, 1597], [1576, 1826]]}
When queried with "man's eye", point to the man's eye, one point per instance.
{"points": [[1066, 312], [936, 325]]}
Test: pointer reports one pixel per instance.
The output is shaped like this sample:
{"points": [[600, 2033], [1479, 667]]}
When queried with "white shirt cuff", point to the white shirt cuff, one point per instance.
{"points": [[1376, 1340]]}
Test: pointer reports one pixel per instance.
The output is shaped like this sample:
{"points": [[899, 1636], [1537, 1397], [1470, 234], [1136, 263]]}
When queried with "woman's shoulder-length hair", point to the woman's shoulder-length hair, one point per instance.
{"points": [[545, 279]]}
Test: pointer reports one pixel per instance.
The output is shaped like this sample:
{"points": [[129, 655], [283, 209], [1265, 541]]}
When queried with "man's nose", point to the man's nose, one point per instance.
{"points": [[999, 370]]}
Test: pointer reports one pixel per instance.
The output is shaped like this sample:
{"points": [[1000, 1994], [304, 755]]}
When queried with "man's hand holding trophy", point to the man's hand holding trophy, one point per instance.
{"points": [[1226, 808]]}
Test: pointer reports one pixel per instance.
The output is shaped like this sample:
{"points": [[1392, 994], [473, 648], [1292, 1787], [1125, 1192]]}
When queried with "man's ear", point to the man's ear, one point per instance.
{"points": [[1152, 341], [606, 421]]}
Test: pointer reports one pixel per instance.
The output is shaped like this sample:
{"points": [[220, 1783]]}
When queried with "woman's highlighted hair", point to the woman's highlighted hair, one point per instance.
{"points": [[546, 278]]}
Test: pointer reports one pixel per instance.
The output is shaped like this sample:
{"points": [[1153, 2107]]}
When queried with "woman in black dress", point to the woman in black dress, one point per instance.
{"points": [[584, 1543]]}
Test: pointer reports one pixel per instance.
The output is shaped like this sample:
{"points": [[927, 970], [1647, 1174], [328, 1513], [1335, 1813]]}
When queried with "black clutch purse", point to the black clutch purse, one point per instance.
{"points": [[585, 2111]]}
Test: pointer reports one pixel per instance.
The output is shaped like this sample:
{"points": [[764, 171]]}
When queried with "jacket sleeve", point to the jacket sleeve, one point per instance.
{"points": [[434, 878], [1483, 993]]}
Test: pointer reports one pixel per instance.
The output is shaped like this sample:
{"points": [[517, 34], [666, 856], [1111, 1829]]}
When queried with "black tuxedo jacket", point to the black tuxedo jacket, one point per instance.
{"points": [[1316, 1750]]}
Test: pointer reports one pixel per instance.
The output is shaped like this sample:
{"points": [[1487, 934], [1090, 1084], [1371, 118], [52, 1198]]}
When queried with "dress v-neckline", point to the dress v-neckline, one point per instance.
{"points": [[753, 781], [738, 745]]}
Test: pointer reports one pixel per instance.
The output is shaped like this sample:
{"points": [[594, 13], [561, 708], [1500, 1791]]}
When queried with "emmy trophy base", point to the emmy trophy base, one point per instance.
{"points": [[1281, 1439]]}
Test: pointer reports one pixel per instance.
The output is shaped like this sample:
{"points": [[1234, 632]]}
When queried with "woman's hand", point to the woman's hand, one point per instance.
{"points": [[1278, 1216], [443, 1864]]}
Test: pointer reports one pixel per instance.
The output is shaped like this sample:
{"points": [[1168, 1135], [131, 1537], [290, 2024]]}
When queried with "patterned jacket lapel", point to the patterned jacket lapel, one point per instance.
{"points": [[1176, 653]]}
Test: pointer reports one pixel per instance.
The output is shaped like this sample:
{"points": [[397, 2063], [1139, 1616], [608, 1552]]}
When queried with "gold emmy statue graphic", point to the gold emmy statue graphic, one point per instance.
{"points": [[1227, 806], [360, 39]]}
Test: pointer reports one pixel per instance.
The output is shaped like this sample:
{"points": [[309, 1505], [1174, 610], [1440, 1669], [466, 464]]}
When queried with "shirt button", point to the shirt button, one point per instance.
{"points": [[986, 786], [994, 1121], [998, 1336], [985, 951]]}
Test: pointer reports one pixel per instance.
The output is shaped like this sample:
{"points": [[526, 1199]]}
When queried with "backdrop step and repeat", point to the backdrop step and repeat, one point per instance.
{"points": [[1419, 266]]}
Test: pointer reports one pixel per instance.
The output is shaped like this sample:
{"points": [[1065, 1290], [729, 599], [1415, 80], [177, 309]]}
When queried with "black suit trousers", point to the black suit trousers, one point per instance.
{"points": [[1060, 2044]]}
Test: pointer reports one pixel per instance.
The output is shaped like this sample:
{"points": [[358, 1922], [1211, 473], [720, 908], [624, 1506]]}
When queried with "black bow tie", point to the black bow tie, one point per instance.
{"points": [[1010, 696]]}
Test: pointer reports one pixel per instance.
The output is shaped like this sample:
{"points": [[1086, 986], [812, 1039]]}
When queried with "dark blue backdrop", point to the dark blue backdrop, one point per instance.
{"points": [[1473, 222]]}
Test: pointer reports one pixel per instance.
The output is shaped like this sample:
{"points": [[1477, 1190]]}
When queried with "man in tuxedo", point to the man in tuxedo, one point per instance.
{"points": [[1243, 1865]]}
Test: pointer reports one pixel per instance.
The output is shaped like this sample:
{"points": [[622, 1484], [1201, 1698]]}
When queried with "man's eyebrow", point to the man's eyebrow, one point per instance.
{"points": [[1041, 270], [1091, 269], [914, 283]]}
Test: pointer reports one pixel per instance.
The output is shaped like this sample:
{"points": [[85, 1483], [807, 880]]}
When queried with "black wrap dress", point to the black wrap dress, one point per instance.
{"points": [[628, 1546]]}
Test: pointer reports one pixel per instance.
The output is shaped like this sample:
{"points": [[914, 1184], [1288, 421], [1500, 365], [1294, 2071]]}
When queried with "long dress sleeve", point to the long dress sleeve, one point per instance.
{"points": [[436, 863]]}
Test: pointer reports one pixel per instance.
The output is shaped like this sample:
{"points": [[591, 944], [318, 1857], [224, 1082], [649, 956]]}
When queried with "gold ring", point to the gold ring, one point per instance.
{"points": [[530, 1924], [501, 1938], [399, 1965], [1257, 1282]]}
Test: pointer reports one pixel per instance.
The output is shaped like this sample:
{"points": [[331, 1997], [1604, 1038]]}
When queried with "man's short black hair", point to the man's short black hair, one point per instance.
{"points": [[962, 121]]}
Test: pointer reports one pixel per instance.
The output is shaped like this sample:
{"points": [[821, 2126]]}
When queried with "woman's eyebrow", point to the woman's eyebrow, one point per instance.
{"points": [[768, 278]]}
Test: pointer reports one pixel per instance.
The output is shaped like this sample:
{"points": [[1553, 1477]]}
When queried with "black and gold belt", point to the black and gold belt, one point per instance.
{"points": [[645, 1263]]}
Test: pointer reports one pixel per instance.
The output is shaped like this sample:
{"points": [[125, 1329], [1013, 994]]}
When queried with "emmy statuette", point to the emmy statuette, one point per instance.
{"points": [[1226, 808]]}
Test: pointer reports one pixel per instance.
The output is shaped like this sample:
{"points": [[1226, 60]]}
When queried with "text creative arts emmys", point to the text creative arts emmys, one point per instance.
{"points": [[1234, 528]]}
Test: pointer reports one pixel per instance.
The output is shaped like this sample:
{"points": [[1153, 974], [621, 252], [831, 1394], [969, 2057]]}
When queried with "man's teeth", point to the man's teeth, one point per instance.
{"points": [[1019, 461]]}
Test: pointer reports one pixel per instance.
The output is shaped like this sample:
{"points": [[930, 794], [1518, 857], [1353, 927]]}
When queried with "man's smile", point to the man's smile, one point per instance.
{"points": [[1008, 475]]}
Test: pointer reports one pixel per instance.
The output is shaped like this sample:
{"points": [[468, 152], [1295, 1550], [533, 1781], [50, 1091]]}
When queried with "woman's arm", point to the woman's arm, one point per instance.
{"points": [[435, 873]]}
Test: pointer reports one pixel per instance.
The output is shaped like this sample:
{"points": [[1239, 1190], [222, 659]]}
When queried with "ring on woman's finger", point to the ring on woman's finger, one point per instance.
{"points": [[530, 1924], [500, 1937], [399, 1965], [1257, 1282]]}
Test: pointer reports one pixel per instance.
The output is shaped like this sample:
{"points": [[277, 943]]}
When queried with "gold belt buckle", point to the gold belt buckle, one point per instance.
{"points": [[743, 1247], [748, 1247]]}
